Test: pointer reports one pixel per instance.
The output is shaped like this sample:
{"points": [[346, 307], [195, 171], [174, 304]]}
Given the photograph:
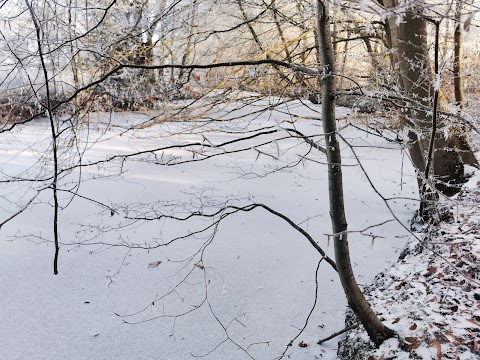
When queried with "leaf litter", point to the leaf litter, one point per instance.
{"points": [[431, 299]]}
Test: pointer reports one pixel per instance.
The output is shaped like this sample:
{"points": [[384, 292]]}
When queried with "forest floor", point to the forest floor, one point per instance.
{"points": [[431, 297]]}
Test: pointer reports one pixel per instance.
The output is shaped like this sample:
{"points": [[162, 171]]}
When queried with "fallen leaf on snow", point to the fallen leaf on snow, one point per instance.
{"points": [[476, 347], [154, 264], [411, 343], [436, 343], [473, 322], [454, 308], [430, 270]]}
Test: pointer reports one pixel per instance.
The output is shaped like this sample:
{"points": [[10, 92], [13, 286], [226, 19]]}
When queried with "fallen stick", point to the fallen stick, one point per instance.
{"points": [[348, 328]]}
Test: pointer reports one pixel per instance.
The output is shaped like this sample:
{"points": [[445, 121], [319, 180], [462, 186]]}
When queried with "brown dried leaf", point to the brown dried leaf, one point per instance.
{"points": [[399, 286], [413, 327], [411, 343], [473, 322], [430, 270], [455, 338], [436, 343], [154, 264], [476, 347], [200, 266], [396, 320], [302, 344]]}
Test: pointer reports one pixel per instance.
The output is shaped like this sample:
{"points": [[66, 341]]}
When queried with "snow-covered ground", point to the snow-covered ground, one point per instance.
{"points": [[431, 298], [254, 280]]}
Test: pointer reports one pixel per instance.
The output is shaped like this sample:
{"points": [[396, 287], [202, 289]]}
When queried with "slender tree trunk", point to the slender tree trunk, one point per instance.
{"points": [[460, 140], [457, 64], [48, 107], [72, 35], [377, 331]]}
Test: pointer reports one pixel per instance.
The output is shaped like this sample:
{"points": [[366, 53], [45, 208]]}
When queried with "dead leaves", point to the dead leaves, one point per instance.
{"points": [[411, 343]]}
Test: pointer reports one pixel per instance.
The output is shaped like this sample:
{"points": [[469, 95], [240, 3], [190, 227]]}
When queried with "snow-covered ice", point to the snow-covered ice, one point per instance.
{"points": [[257, 272]]}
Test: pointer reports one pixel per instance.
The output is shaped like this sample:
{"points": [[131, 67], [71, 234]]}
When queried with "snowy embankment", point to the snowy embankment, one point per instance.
{"points": [[243, 290], [431, 297]]}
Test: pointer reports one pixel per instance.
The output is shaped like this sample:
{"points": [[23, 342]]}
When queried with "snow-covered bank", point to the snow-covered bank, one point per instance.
{"points": [[431, 297]]}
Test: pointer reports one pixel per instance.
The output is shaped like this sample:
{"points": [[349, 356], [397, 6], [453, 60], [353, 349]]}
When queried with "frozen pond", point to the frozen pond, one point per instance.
{"points": [[244, 292]]}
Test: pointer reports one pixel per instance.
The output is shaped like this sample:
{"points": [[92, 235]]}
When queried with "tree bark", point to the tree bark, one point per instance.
{"points": [[377, 331], [415, 79]]}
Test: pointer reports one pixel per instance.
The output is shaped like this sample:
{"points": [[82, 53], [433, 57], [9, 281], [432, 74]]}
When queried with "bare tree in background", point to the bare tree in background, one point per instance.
{"points": [[458, 54]]}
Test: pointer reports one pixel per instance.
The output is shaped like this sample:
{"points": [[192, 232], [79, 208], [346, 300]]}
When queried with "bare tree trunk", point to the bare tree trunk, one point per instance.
{"points": [[53, 128], [460, 141], [377, 331], [190, 46], [72, 36], [457, 64]]}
